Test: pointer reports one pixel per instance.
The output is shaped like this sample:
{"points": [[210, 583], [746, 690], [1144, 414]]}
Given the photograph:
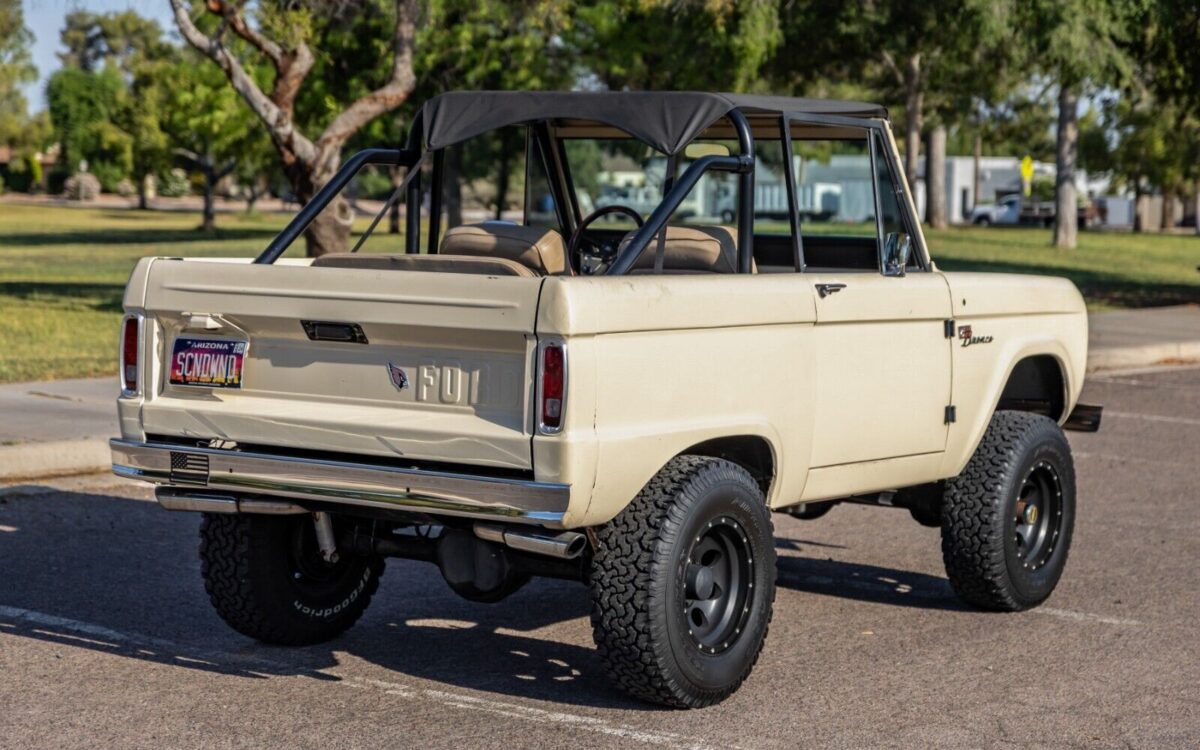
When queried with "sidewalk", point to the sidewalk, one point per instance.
{"points": [[56, 428], [1141, 338], [62, 427]]}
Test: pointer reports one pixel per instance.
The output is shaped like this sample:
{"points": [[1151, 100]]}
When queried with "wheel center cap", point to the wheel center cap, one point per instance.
{"points": [[1031, 514], [700, 582]]}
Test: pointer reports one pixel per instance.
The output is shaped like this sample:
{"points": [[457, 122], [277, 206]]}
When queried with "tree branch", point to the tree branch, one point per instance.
{"points": [[890, 63], [188, 154], [291, 66], [233, 16], [277, 119], [389, 96]]}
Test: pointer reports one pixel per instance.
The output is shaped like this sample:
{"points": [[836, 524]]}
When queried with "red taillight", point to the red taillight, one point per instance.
{"points": [[553, 380], [129, 355]]}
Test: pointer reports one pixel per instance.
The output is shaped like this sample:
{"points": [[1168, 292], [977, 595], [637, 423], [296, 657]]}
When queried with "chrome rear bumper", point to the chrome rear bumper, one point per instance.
{"points": [[204, 470]]}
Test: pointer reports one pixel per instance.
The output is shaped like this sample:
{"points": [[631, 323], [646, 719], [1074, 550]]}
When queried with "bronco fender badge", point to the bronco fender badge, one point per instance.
{"points": [[398, 376], [967, 338]]}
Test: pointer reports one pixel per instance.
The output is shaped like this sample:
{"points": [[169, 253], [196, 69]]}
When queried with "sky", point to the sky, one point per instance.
{"points": [[45, 19]]}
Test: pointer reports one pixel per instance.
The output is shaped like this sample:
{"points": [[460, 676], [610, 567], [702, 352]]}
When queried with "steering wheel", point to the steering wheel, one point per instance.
{"points": [[604, 250]]}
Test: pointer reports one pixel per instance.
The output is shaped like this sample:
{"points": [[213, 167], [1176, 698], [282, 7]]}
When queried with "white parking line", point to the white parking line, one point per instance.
{"points": [[1120, 458], [86, 632], [1069, 614]]}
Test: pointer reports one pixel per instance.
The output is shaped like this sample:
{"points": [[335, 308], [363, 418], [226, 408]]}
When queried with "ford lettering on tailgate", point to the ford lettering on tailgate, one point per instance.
{"points": [[211, 363]]}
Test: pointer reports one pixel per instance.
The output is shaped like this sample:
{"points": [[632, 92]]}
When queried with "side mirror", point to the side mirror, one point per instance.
{"points": [[897, 248]]}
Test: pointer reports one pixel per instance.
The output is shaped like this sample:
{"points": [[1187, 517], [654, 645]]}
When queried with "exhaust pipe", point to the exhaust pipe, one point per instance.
{"points": [[565, 545]]}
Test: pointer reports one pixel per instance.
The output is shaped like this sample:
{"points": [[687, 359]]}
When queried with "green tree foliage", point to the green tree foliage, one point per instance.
{"points": [[713, 45], [466, 44], [134, 46], [207, 125], [84, 108], [314, 74], [1081, 45], [16, 69], [124, 38], [931, 56], [1170, 67]]}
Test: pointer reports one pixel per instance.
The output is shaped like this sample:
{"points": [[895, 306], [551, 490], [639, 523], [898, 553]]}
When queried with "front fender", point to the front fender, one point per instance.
{"points": [[982, 370]]}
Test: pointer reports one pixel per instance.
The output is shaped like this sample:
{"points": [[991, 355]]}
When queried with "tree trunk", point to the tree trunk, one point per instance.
{"points": [[452, 187], [143, 202], [914, 113], [977, 174], [1167, 221], [935, 179], [330, 231], [1196, 207], [1066, 225], [1137, 203], [208, 223], [255, 189]]}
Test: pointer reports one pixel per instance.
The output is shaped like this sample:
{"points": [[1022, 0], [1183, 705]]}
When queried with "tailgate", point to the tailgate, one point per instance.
{"points": [[440, 372]]}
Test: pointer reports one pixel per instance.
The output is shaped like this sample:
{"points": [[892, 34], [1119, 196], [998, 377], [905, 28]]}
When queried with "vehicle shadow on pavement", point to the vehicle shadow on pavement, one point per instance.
{"points": [[866, 583], [121, 577]]}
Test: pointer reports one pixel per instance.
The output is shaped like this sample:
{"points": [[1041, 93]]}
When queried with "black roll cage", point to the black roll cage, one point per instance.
{"points": [[541, 142]]}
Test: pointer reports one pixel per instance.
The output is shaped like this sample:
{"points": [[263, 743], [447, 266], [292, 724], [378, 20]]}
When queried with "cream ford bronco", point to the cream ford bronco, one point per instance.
{"points": [[619, 402]]}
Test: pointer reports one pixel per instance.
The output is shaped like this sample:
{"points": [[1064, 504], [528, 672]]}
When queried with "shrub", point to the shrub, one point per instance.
{"points": [[82, 186]]}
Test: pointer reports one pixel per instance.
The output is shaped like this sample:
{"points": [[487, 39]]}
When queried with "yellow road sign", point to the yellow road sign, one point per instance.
{"points": [[1027, 175]]}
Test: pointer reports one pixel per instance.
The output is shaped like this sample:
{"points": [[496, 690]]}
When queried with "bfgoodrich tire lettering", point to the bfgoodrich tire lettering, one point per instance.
{"points": [[667, 630], [265, 578], [1007, 518]]}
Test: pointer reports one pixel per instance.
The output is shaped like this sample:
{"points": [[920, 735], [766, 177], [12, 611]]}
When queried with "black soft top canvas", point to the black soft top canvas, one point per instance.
{"points": [[665, 120]]}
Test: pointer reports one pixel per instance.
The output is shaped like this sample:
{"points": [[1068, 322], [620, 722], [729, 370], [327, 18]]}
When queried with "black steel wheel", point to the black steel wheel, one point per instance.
{"points": [[1007, 519], [719, 585], [683, 582], [1038, 515]]}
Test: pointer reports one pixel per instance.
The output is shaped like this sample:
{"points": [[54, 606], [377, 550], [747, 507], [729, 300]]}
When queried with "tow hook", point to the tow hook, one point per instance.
{"points": [[325, 542]]}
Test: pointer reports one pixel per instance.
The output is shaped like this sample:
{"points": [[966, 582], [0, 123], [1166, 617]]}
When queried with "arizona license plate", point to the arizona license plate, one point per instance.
{"points": [[212, 363]]}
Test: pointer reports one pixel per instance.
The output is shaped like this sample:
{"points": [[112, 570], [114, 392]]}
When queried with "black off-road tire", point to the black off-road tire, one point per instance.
{"points": [[643, 584], [267, 581], [988, 563]]}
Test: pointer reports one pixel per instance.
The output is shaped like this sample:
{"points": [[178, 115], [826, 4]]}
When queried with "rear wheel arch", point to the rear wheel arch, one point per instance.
{"points": [[754, 453], [1037, 384]]}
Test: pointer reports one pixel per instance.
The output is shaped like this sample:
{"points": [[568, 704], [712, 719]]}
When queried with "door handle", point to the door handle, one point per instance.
{"points": [[824, 290]]}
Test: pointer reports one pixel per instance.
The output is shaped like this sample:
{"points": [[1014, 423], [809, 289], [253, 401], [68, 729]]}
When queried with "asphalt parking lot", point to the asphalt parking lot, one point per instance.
{"points": [[107, 638]]}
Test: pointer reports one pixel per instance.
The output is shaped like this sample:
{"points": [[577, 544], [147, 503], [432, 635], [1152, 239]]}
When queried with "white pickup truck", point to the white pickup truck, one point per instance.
{"points": [[1013, 210], [622, 409]]}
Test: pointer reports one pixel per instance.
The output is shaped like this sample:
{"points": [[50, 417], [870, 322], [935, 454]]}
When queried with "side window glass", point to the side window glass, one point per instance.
{"points": [[540, 209], [835, 198], [892, 219], [484, 179]]}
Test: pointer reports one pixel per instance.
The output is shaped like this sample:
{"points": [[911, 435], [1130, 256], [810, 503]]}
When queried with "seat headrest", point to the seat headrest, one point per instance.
{"points": [[539, 249], [427, 263], [693, 249]]}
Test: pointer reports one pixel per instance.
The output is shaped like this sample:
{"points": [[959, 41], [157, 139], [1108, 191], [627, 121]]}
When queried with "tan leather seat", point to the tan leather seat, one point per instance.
{"points": [[427, 263], [690, 249], [536, 248]]}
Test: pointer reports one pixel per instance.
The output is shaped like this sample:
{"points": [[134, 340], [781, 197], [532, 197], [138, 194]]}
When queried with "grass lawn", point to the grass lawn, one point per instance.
{"points": [[63, 272], [1113, 270]]}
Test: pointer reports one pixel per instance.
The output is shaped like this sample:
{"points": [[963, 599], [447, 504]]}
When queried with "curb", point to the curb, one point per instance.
{"points": [[55, 458], [1117, 358]]}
